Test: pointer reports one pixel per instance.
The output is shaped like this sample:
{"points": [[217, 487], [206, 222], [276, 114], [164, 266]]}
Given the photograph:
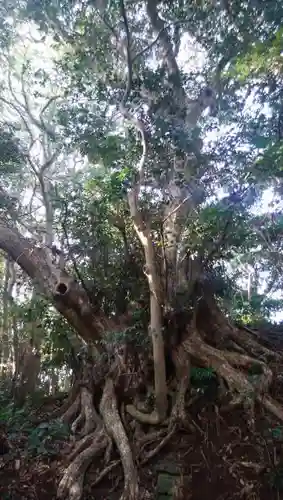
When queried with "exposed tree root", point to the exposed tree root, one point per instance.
{"points": [[145, 418], [91, 418], [72, 411], [157, 449], [142, 458], [223, 363], [271, 406], [245, 339], [105, 472], [239, 361], [182, 364], [210, 357], [235, 347], [60, 412], [84, 443], [77, 422], [83, 414], [114, 427], [150, 438], [242, 361], [71, 484]]}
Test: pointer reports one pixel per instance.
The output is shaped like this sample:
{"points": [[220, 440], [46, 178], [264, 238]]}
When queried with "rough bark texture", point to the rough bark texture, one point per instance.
{"points": [[71, 484], [207, 339], [115, 429], [67, 296]]}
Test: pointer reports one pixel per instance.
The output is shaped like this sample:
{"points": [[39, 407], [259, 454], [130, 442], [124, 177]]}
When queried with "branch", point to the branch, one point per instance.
{"points": [[46, 106], [176, 208], [149, 47], [168, 53], [76, 269], [21, 108], [50, 160], [19, 112], [216, 245], [38, 123], [128, 51], [67, 296], [135, 121]]}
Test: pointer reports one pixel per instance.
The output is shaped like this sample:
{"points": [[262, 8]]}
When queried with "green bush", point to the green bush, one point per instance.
{"points": [[38, 440], [15, 419], [201, 375], [41, 439]]}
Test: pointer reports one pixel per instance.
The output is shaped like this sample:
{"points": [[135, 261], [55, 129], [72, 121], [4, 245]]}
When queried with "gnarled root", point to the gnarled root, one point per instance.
{"points": [[77, 423], [145, 418], [210, 357], [243, 361], [182, 365], [91, 419], [87, 419], [71, 484], [72, 411], [114, 427], [153, 418], [271, 406], [223, 363], [83, 412], [245, 340]]}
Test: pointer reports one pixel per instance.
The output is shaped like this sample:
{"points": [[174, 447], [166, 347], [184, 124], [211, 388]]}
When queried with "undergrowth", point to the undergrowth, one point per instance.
{"points": [[21, 431]]}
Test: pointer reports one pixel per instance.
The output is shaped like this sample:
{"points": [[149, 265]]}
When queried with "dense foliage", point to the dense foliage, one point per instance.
{"points": [[141, 148]]}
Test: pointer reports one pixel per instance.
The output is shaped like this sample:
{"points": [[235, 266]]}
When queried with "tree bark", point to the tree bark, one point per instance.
{"points": [[67, 296]]}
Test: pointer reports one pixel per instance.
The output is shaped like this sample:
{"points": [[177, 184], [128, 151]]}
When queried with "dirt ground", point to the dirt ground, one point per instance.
{"points": [[223, 459]]}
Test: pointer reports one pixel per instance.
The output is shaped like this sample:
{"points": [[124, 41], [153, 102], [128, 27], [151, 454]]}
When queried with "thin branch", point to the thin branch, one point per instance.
{"points": [[135, 121], [32, 197], [38, 123], [40, 177], [10, 85], [177, 208], [46, 106], [19, 112], [168, 53], [109, 26], [217, 244], [128, 51], [176, 25], [132, 119], [21, 108], [70, 253], [51, 160], [149, 47]]}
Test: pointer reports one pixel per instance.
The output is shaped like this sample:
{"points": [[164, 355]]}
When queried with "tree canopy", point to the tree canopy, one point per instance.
{"points": [[141, 215]]}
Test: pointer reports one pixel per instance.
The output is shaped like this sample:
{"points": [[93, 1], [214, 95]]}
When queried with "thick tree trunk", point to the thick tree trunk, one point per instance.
{"points": [[67, 296], [211, 341], [98, 429], [29, 370]]}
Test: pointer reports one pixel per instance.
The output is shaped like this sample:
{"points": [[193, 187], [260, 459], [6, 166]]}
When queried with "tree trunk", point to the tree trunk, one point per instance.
{"points": [[6, 341], [208, 339], [67, 296]]}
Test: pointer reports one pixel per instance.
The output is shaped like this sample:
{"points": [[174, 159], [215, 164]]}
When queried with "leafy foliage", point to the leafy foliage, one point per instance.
{"points": [[40, 440], [240, 161]]}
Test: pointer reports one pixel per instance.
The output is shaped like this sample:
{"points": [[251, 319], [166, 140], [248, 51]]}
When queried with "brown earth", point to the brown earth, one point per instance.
{"points": [[223, 459]]}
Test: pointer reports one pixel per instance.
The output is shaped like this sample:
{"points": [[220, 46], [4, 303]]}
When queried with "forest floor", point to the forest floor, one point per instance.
{"points": [[223, 459]]}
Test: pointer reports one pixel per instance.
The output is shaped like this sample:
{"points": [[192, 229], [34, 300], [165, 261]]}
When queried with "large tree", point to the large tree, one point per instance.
{"points": [[137, 102]]}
